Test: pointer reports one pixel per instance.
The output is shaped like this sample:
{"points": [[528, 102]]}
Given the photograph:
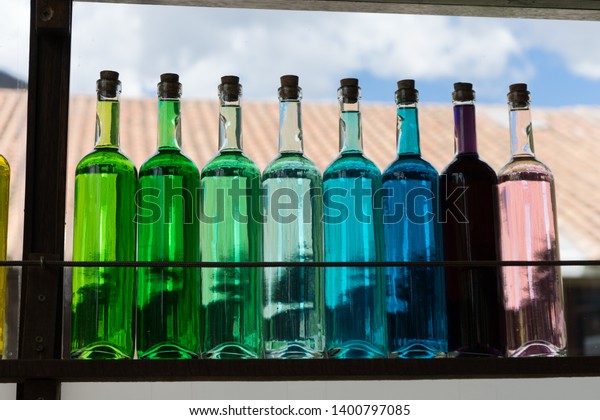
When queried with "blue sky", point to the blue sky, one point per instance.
{"points": [[556, 58]]}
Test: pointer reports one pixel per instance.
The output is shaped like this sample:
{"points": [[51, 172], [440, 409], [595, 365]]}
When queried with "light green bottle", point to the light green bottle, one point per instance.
{"points": [[168, 299], [231, 231], [104, 230]]}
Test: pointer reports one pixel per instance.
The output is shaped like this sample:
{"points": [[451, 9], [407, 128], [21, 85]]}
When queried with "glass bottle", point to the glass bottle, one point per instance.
{"points": [[104, 230], [4, 205], [470, 224], [293, 232], [354, 296], [230, 231], [416, 299], [168, 298], [533, 295]]}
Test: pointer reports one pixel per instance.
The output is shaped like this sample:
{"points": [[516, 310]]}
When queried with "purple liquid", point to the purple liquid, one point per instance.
{"points": [[468, 212], [473, 295], [533, 296]]}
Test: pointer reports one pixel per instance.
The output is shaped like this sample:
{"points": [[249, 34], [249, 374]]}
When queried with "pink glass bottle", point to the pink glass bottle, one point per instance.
{"points": [[533, 295]]}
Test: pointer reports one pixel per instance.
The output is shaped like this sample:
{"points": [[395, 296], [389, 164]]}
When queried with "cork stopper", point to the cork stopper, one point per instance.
{"points": [[406, 93], [518, 95], [349, 91], [169, 86], [108, 86], [289, 88], [463, 92], [230, 89]]}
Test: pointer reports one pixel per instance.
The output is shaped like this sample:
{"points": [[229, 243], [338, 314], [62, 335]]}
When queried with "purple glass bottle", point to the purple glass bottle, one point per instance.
{"points": [[468, 212], [533, 295]]}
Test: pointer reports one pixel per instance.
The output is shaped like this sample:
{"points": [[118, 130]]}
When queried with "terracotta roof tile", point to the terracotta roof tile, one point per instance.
{"points": [[566, 139]]}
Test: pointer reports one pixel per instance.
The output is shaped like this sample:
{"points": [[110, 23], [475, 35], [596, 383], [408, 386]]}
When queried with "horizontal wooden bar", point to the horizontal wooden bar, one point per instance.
{"points": [[536, 9], [12, 371]]}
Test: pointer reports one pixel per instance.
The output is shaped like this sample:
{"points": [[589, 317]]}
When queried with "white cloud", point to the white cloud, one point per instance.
{"points": [[14, 37], [204, 43]]}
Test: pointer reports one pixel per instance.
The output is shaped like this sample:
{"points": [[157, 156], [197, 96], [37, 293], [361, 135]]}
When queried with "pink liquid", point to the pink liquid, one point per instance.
{"points": [[533, 296]]}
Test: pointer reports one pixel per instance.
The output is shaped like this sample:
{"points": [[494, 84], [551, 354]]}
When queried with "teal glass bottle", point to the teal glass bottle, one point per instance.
{"points": [[354, 296], [293, 232], [168, 298], [104, 230], [416, 299], [231, 232]]}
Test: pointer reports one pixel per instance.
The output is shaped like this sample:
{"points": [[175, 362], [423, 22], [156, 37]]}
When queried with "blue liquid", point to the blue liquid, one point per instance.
{"points": [[415, 298], [354, 296]]}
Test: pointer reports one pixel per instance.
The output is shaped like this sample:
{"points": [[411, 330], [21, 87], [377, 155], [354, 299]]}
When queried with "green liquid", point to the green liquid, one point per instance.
{"points": [[104, 230], [168, 299], [4, 192], [231, 231]]}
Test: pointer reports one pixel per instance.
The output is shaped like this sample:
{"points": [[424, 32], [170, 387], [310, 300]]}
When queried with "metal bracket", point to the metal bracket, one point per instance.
{"points": [[53, 16]]}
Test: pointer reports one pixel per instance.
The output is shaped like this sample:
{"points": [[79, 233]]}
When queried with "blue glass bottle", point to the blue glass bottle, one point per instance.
{"points": [[354, 296], [415, 303], [293, 232]]}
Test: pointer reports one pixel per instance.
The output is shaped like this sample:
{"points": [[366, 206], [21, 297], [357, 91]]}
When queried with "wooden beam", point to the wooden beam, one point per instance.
{"points": [[537, 9]]}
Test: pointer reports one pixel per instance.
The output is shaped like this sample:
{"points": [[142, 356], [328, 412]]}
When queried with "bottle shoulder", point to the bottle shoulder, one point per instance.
{"points": [[169, 162], [4, 166], [470, 167], [293, 165], [526, 168], [105, 161], [351, 166], [410, 167], [231, 164]]}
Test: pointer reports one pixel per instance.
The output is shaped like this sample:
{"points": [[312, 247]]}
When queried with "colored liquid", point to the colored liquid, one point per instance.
{"points": [[416, 307], [354, 296], [4, 204], [230, 231], [104, 230], [168, 325], [473, 295], [533, 296], [293, 297]]}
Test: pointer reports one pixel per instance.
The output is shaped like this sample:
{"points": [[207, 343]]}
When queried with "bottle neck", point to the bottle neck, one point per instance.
{"points": [[107, 123], [465, 136], [350, 128], [230, 127], [290, 127], [169, 124], [521, 132], [407, 130]]}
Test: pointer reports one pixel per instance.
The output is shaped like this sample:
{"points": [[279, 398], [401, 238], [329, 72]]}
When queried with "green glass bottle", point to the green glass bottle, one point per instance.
{"points": [[4, 190], [231, 231], [293, 232], [168, 299], [104, 230]]}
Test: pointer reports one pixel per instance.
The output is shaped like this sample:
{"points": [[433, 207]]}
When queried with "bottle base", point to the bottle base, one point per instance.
{"points": [[292, 351], [476, 351], [355, 350], [167, 351], [100, 351], [538, 348], [230, 351], [418, 350]]}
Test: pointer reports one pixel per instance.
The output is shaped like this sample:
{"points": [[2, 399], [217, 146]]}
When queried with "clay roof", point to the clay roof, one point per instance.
{"points": [[567, 140]]}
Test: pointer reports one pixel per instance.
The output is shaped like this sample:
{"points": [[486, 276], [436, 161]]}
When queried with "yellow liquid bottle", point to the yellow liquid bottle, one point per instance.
{"points": [[4, 188]]}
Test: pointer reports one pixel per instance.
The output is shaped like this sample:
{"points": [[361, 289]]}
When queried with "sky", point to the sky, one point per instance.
{"points": [[558, 59]]}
